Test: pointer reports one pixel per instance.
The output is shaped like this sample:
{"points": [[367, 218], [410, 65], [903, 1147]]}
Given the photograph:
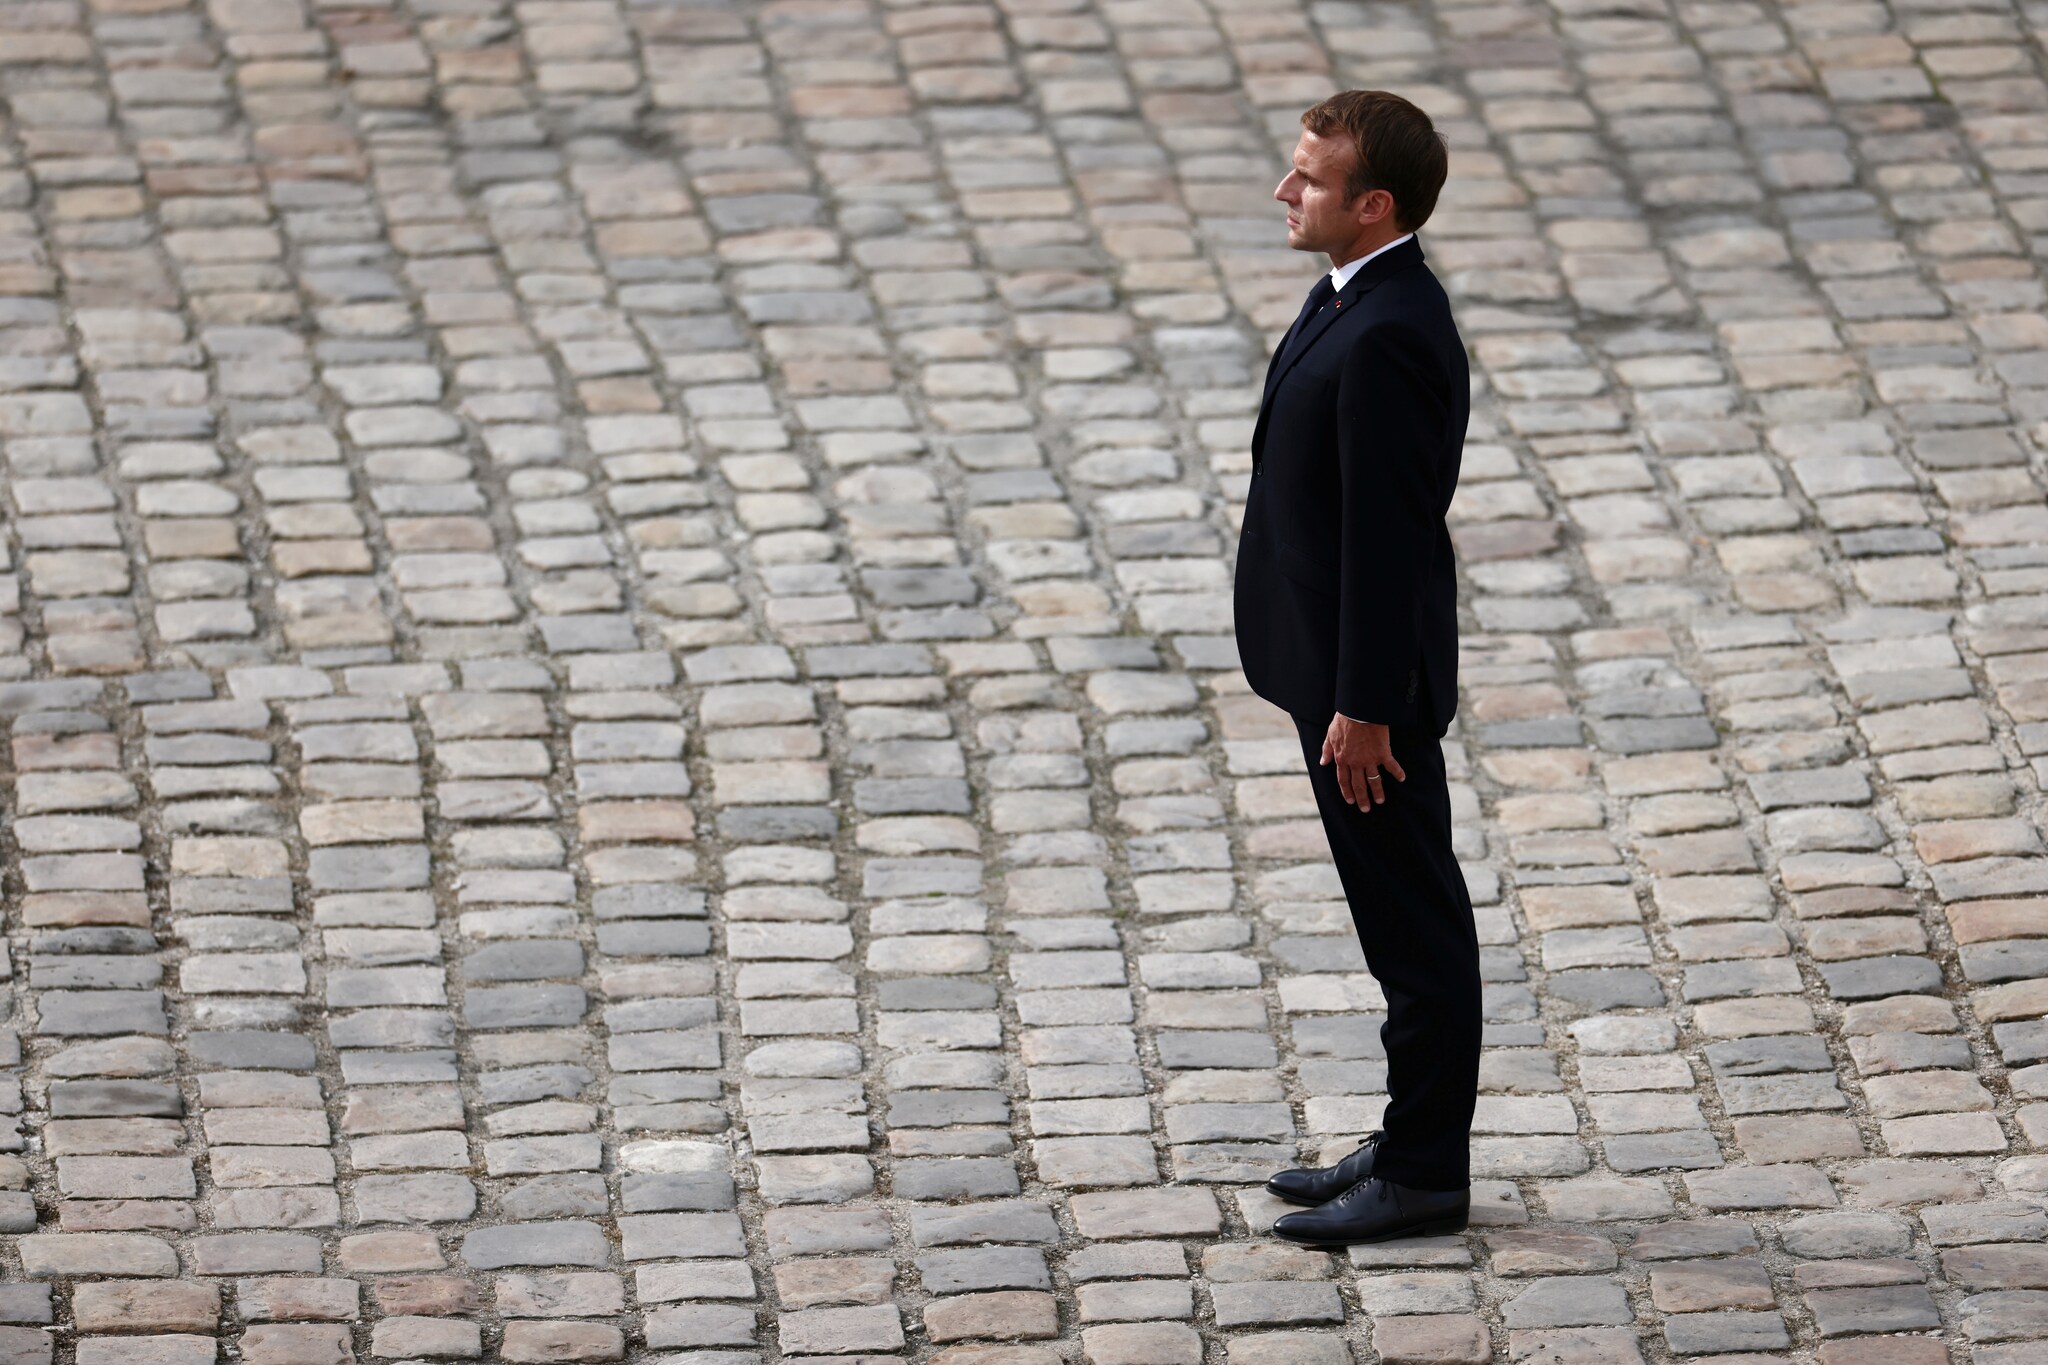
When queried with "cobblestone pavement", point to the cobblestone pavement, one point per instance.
{"points": [[624, 743]]}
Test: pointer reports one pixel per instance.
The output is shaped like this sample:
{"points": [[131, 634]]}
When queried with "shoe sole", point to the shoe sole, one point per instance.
{"points": [[1295, 1199], [1442, 1227]]}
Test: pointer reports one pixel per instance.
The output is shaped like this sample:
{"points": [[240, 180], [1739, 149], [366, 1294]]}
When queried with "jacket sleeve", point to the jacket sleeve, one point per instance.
{"points": [[1390, 431]]}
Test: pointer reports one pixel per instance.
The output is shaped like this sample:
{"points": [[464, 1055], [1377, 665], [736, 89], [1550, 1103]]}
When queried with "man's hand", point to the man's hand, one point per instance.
{"points": [[1361, 752]]}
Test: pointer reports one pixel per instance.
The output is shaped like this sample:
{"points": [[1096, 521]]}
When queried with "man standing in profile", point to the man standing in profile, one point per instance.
{"points": [[1346, 606]]}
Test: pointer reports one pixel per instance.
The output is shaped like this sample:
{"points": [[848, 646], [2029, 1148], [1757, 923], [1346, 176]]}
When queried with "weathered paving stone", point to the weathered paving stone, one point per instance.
{"points": [[570, 1243], [1568, 1302], [1697, 1333]]}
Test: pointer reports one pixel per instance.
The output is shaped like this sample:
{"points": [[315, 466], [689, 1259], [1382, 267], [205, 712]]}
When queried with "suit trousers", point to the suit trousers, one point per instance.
{"points": [[1414, 920]]}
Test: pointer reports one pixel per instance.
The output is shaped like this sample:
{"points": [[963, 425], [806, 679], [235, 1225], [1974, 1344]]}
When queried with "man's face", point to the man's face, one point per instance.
{"points": [[1317, 213], [1319, 216]]}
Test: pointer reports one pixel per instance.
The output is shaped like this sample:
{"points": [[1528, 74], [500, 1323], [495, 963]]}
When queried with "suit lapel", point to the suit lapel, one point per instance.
{"points": [[1273, 368], [1288, 356]]}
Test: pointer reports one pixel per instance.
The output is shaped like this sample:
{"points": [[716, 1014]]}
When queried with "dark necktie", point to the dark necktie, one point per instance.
{"points": [[1321, 294]]}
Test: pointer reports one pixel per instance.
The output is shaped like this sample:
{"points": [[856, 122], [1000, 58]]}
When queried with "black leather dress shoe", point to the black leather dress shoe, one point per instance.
{"points": [[1313, 1185], [1378, 1211]]}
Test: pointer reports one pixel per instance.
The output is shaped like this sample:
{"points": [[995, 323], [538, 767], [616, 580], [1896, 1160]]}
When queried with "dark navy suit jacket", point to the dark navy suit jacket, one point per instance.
{"points": [[1346, 595]]}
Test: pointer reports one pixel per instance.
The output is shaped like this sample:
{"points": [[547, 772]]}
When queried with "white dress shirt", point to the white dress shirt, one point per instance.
{"points": [[1340, 275]]}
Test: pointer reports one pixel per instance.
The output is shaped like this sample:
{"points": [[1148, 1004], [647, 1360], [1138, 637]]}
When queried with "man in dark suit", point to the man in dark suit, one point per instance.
{"points": [[1346, 608]]}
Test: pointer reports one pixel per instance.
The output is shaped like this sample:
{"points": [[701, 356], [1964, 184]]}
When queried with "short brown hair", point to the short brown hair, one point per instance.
{"points": [[1399, 149]]}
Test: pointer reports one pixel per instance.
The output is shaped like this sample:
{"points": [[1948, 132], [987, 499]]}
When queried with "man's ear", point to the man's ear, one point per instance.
{"points": [[1374, 205]]}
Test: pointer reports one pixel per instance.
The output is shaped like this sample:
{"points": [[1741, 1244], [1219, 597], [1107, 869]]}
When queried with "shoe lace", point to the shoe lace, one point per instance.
{"points": [[1363, 1190]]}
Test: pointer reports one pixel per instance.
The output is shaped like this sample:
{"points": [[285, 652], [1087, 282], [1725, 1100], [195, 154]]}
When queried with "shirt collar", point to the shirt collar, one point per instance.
{"points": [[1341, 275]]}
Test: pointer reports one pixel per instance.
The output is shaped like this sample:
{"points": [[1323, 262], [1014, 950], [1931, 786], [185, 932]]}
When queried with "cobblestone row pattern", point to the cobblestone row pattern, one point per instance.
{"points": [[623, 741]]}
